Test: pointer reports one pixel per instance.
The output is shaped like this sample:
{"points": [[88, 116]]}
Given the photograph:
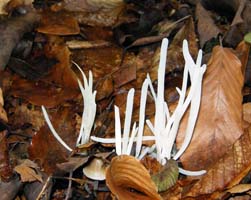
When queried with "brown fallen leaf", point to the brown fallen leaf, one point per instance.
{"points": [[219, 122], [238, 18], [206, 26], [236, 32], [3, 4], [104, 88], [227, 171], [5, 167], [242, 50], [12, 30], [124, 75], [45, 149], [58, 23], [9, 190], [127, 179], [23, 114], [95, 12], [175, 59], [3, 114], [58, 86], [78, 44], [28, 172], [247, 112]]}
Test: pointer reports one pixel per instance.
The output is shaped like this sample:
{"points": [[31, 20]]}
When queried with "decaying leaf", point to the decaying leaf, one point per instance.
{"points": [[167, 176], [3, 114], [5, 167], [227, 171], [27, 171], [247, 112], [95, 12], [58, 23], [76, 44], [124, 75], [23, 114], [206, 27], [175, 59], [127, 178], [3, 4], [45, 149], [219, 123], [243, 50], [12, 30], [58, 86]]}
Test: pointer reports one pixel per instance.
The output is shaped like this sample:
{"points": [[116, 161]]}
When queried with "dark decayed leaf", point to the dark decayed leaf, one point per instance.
{"points": [[206, 26], [58, 86], [175, 59], [236, 32], [45, 149], [5, 167]]}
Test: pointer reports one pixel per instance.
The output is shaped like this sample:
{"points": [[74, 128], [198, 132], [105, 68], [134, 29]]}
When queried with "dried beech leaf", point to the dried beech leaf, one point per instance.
{"points": [[124, 75], [206, 27], [23, 114], [227, 171], [104, 88], [247, 112], [175, 59], [58, 23], [3, 4], [27, 171], [5, 167], [3, 114], [243, 50], [55, 88], [1, 97], [96, 12], [127, 178], [219, 122], [79, 44], [45, 149], [238, 15]]}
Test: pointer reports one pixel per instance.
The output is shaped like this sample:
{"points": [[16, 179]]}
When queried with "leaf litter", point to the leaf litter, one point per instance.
{"points": [[220, 142]]}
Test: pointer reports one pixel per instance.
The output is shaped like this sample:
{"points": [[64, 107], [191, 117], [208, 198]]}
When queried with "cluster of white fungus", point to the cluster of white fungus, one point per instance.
{"points": [[165, 125]]}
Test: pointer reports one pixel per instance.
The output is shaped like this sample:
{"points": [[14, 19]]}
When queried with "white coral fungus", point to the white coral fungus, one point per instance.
{"points": [[89, 112], [165, 125]]}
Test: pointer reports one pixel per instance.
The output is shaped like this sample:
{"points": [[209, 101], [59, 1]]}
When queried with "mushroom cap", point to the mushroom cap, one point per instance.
{"points": [[95, 170]]}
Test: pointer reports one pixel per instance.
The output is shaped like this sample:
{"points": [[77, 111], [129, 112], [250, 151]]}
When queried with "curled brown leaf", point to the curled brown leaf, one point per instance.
{"points": [[127, 178]]}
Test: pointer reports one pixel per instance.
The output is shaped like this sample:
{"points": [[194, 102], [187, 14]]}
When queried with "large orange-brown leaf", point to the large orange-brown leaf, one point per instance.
{"points": [[227, 171], [219, 123], [127, 178]]}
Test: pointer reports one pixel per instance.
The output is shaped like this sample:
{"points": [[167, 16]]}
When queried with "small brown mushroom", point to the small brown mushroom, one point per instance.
{"points": [[95, 170]]}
